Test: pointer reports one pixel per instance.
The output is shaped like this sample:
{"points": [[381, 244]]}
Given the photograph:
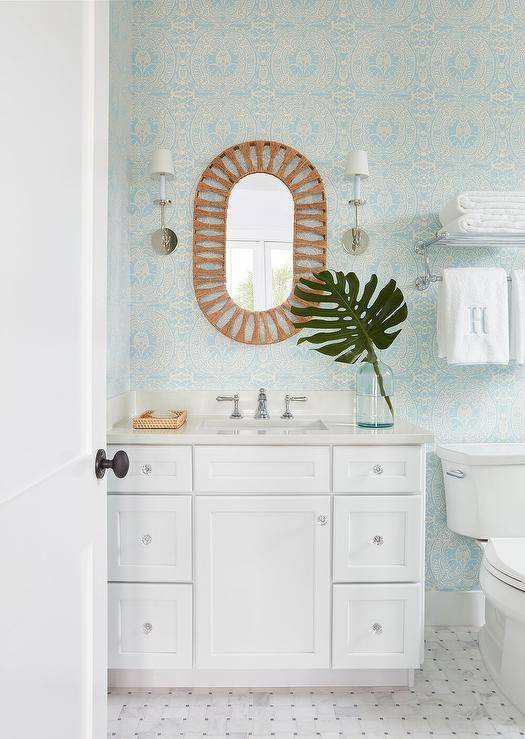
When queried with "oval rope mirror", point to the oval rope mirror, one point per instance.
{"points": [[210, 236]]}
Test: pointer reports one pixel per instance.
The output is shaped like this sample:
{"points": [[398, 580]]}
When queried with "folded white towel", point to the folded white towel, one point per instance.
{"points": [[517, 316], [473, 320], [474, 223], [497, 203]]}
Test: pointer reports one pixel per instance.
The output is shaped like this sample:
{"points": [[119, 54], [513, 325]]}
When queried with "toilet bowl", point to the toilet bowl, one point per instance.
{"points": [[485, 498], [502, 638]]}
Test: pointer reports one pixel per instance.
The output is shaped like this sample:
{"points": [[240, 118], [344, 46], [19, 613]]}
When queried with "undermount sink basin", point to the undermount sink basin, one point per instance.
{"points": [[261, 425]]}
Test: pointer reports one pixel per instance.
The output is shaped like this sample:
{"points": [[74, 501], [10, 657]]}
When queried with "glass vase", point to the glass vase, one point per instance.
{"points": [[374, 395]]}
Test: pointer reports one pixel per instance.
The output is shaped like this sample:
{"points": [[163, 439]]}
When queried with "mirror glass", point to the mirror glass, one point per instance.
{"points": [[259, 242]]}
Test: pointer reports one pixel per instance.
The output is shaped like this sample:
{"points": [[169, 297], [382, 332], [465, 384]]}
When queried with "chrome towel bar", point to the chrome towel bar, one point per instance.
{"points": [[495, 241]]}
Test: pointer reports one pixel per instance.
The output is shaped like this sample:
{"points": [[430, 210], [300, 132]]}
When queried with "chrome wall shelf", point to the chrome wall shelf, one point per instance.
{"points": [[460, 240]]}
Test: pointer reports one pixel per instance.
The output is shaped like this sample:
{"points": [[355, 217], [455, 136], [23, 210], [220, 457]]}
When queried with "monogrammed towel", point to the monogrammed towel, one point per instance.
{"points": [[473, 316]]}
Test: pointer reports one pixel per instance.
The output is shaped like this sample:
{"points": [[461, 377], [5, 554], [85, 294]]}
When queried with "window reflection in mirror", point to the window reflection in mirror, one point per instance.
{"points": [[259, 242]]}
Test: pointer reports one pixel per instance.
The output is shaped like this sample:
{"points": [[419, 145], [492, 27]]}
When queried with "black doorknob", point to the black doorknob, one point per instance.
{"points": [[119, 464]]}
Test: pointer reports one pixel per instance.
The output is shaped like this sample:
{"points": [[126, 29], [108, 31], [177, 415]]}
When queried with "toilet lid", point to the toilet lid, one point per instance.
{"points": [[507, 556]]}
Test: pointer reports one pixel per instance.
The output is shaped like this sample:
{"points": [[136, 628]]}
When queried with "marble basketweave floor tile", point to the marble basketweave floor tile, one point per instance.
{"points": [[453, 698]]}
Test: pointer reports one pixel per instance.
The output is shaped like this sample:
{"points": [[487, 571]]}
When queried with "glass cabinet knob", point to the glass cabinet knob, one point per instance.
{"points": [[147, 628], [377, 628], [146, 539], [147, 469], [377, 469], [323, 520], [378, 540]]}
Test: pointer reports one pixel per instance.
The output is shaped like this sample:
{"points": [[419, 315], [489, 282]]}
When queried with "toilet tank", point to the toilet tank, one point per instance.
{"points": [[484, 489]]}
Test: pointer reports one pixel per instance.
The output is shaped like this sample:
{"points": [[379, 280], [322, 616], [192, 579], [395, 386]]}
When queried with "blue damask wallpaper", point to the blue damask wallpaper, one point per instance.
{"points": [[118, 328], [433, 89]]}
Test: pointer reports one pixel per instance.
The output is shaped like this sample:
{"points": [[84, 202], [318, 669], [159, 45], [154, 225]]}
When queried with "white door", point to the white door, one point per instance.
{"points": [[53, 193], [262, 581]]}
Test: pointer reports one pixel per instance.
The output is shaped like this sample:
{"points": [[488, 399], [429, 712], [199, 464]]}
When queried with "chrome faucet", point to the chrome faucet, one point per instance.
{"points": [[262, 408]]}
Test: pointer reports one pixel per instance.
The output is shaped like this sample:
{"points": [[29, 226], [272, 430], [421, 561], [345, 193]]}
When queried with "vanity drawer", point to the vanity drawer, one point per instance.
{"points": [[263, 469], [150, 626], [149, 538], [377, 538], [378, 469], [153, 469], [376, 626]]}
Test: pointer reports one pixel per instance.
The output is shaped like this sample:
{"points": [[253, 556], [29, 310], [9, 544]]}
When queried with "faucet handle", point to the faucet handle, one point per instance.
{"points": [[292, 399], [235, 400]]}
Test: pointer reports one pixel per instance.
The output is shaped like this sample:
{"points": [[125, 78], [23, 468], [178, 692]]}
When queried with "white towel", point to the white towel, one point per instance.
{"points": [[487, 224], [473, 316], [517, 316], [496, 203]]}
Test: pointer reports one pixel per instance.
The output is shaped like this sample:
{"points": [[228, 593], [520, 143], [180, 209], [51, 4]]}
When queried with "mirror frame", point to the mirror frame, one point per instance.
{"points": [[209, 236]]}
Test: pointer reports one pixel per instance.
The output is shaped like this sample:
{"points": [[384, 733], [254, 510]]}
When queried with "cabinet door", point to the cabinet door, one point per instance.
{"points": [[377, 538], [153, 469], [262, 581], [262, 469], [377, 626], [149, 538], [378, 469], [150, 626]]}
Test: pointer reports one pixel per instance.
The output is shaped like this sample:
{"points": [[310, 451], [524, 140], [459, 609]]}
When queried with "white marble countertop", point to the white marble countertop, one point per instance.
{"points": [[339, 430]]}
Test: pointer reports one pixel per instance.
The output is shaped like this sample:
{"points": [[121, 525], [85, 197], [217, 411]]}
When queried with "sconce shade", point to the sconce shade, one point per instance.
{"points": [[357, 163], [161, 164]]}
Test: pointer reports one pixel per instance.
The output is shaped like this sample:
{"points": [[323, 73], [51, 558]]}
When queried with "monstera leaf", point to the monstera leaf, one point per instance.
{"points": [[349, 326]]}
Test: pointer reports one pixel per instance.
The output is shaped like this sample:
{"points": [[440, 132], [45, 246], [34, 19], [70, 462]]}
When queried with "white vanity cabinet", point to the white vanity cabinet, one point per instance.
{"points": [[249, 564]]}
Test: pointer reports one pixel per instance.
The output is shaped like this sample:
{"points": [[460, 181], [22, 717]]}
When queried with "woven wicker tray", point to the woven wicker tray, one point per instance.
{"points": [[168, 420]]}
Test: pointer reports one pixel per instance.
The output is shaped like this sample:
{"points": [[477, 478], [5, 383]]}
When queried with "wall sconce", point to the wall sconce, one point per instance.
{"points": [[164, 239], [355, 240]]}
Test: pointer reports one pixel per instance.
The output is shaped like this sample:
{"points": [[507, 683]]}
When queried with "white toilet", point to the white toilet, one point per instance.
{"points": [[485, 496]]}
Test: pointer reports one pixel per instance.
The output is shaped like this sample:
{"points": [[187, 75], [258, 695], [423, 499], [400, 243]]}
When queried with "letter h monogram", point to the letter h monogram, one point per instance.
{"points": [[477, 319]]}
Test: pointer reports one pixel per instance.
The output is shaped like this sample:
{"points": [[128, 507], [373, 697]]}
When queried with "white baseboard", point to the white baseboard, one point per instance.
{"points": [[259, 678], [455, 608]]}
